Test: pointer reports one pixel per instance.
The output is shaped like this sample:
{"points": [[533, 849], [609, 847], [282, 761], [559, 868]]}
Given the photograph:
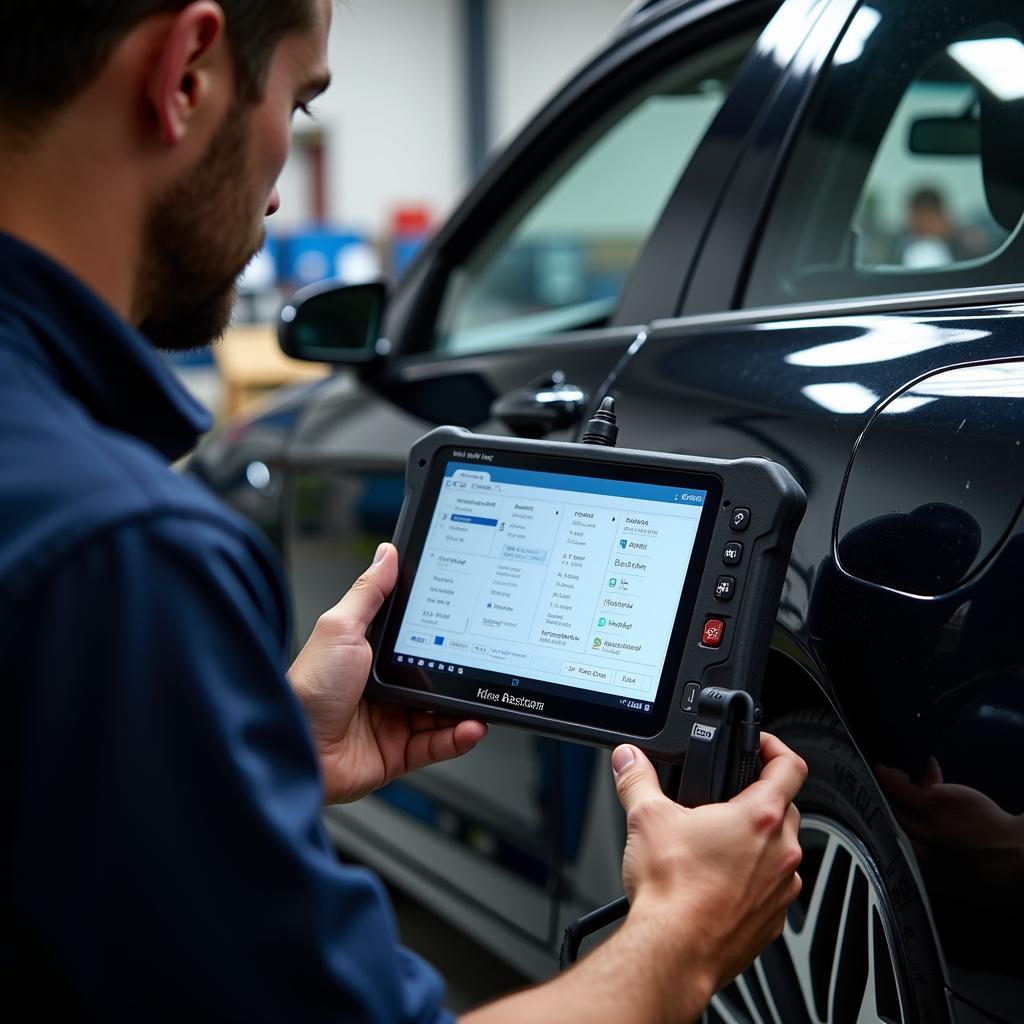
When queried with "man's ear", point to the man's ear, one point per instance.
{"points": [[190, 65]]}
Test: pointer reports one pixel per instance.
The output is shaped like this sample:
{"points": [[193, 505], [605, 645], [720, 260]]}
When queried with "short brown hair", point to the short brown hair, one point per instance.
{"points": [[51, 49]]}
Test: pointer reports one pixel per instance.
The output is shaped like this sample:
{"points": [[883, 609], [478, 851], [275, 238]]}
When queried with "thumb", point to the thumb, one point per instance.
{"points": [[365, 597], [635, 777]]}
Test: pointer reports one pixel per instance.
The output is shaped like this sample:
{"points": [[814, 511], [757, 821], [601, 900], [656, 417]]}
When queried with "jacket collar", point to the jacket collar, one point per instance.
{"points": [[104, 363]]}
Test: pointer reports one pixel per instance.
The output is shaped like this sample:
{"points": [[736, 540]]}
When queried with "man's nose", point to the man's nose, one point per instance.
{"points": [[274, 203]]}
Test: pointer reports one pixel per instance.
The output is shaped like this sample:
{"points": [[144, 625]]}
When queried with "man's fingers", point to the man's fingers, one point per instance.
{"points": [[793, 819], [468, 734], [635, 777], [783, 771], [430, 747], [420, 721], [355, 611]]}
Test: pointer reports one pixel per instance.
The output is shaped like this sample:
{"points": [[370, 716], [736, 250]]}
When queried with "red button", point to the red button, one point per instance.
{"points": [[713, 630]]}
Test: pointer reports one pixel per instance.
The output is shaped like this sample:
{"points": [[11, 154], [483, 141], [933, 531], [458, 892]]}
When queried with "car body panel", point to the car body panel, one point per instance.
{"points": [[717, 277], [912, 676]]}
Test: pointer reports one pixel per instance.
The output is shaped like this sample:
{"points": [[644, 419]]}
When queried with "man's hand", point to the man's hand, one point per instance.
{"points": [[708, 889], [728, 870], [361, 745]]}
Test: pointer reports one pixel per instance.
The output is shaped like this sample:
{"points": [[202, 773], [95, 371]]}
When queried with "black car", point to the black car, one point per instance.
{"points": [[789, 230]]}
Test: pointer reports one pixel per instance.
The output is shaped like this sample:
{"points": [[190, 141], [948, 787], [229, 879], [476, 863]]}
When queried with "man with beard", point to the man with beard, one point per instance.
{"points": [[162, 852]]}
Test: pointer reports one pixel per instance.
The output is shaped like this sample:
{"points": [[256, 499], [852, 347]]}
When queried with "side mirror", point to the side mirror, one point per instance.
{"points": [[335, 323]]}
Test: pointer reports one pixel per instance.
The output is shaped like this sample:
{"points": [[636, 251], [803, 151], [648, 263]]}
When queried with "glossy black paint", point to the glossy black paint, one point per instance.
{"points": [[929, 532], [913, 675], [722, 269], [902, 606]]}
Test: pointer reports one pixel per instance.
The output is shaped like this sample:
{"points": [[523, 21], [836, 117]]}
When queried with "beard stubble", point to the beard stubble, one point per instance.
{"points": [[198, 239]]}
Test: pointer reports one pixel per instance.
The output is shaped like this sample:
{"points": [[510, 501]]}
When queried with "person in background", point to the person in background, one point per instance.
{"points": [[929, 238]]}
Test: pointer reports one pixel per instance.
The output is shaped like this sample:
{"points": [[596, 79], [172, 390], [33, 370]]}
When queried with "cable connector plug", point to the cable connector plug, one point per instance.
{"points": [[603, 428], [750, 730]]}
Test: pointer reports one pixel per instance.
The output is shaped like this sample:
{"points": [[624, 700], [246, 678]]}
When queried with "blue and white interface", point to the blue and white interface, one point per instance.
{"points": [[570, 580]]}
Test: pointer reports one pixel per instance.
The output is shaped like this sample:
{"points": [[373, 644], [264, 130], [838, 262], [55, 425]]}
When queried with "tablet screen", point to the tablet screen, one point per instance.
{"points": [[549, 586]]}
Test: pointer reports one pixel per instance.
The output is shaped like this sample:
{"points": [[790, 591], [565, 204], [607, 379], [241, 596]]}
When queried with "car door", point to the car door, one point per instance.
{"points": [[869, 251], [531, 294]]}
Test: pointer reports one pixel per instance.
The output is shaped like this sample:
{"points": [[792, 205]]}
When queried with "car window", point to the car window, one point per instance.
{"points": [[906, 176], [559, 258]]}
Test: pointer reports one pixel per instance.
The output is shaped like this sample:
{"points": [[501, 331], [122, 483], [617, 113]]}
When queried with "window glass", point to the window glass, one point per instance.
{"points": [[906, 177], [559, 259]]}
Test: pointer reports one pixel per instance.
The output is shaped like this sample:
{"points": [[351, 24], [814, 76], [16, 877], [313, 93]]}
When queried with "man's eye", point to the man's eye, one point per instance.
{"points": [[306, 109]]}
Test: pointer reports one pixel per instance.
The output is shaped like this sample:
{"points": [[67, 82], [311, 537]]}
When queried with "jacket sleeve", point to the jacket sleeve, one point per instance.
{"points": [[168, 859]]}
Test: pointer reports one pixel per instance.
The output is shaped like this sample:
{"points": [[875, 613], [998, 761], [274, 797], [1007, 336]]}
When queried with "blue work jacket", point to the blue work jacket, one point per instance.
{"points": [[162, 850]]}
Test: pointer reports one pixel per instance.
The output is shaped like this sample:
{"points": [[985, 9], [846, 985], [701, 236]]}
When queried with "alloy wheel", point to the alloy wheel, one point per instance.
{"points": [[836, 960]]}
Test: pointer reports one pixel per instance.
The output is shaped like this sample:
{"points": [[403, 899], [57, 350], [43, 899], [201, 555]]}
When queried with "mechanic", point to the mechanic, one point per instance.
{"points": [[163, 855]]}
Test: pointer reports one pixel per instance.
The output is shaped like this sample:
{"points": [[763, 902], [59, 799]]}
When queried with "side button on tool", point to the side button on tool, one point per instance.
{"points": [[691, 691], [713, 630], [732, 554], [739, 519]]}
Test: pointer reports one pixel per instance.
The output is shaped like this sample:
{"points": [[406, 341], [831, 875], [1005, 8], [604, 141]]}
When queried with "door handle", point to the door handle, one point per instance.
{"points": [[546, 405]]}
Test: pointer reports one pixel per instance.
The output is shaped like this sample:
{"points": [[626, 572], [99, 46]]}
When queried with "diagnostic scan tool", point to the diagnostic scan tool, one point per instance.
{"points": [[585, 592]]}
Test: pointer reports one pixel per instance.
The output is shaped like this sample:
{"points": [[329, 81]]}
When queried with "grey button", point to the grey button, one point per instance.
{"points": [[739, 519], [691, 691], [733, 553]]}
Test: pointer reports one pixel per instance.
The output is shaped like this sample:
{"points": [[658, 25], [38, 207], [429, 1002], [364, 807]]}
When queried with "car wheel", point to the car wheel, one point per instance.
{"points": [[857, 946]]}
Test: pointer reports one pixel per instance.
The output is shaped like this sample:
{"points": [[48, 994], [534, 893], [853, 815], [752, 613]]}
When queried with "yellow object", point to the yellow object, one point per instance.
{"points": [[251, 363]]}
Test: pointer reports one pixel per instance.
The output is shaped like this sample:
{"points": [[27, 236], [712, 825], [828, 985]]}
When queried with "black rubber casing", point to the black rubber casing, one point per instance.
{"points": [[776, 503]]}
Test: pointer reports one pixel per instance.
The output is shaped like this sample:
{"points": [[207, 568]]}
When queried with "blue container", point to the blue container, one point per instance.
{"points": [[404, 250], [310, 256]]}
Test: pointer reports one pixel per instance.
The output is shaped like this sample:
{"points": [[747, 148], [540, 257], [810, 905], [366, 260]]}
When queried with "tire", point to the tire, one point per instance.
{"points": [[875, 962]]}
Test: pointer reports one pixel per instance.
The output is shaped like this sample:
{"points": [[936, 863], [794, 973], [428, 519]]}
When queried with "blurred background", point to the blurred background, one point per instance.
{"points": [[424, 92]]}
